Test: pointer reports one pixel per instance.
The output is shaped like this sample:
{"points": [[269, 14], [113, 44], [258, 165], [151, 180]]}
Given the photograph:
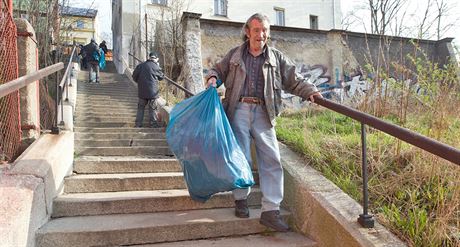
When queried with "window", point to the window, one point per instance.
{"points": [[313, 22], [80, 24], [279, 12], [220, 7], [162, 2]]}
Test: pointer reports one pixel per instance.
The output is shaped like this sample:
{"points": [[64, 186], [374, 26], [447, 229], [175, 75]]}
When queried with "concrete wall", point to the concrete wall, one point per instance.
{"points": [[365, 48], [333, 60], [28, 187], [304, 47], [323, 212]]}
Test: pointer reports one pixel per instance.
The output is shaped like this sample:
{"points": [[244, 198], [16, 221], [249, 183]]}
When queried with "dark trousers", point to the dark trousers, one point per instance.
{"points": [[93, 69], [152, 107]]}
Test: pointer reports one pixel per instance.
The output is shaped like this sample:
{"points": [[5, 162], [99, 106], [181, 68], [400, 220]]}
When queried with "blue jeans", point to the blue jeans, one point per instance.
{"points": [[152, 106], [251, 121]]}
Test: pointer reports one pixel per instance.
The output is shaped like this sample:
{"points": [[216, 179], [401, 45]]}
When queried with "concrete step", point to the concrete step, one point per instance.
{"points": [[82, 114], [124, 182], [118, 83], [275, 239], [122, 151], [131, 98], [106, 86], [85, 100], [120, 135], [106, 124], [120, 143], [106, 90], [114, 97], [105, 108], [122, 95], [125, 164], [117, 130], [103, 111], [83, 106], [102, 96], [128, 202], [106, 114], [106, 119], [147, 228]]}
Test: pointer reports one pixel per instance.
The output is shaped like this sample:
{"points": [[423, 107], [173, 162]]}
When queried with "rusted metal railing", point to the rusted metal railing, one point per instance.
{"points": [[435, 147]]}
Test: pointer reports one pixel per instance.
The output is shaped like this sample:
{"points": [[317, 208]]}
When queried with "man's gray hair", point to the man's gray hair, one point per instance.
{"points": [[258, 16]]}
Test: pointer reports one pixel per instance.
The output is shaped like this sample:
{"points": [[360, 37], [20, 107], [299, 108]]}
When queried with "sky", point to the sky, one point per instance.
{"points": [[413, 9]]}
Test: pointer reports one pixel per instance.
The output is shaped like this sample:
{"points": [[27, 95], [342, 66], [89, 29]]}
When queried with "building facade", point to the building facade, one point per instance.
{"points": [[78, 25], [133, 22], [312, 14]]}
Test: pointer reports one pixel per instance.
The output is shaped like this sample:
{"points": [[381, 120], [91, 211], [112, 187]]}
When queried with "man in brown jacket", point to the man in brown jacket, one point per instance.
{"points": [[254, 75]]}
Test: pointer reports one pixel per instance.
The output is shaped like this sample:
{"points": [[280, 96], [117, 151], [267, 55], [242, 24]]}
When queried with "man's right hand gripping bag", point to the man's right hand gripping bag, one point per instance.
{"points": [[201, 137]]}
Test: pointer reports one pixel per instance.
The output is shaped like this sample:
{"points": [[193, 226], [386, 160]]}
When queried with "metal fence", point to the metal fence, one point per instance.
{"points": [[10, 126]]}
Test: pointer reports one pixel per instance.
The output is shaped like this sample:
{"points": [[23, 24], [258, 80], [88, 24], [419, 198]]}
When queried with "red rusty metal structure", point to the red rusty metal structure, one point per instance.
{"points": [[10, 125]]}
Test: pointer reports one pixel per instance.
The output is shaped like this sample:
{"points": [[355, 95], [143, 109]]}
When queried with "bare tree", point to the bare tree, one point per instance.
{"points": [[168, 36], [382, 13], [429, 19]]}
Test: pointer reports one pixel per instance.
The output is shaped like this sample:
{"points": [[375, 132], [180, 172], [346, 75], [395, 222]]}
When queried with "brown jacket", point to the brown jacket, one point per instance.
{"points": [[278, 71]]}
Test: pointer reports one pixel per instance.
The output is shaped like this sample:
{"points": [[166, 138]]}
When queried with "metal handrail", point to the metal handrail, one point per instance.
{"points": [[186, 91], [25, 80], [63, 85], [435, 147]]}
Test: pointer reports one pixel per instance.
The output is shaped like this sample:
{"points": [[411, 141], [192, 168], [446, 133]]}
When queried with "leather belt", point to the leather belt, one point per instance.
{"points": [[252, 100]]}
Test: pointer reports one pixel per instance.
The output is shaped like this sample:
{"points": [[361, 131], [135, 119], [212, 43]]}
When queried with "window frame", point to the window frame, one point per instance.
{"points": [[80, 24], [221, 8], [282, 20], [314, 22]]}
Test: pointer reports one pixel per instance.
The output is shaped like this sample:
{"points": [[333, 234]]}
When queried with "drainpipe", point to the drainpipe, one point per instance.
{"points": [[333, 14]]}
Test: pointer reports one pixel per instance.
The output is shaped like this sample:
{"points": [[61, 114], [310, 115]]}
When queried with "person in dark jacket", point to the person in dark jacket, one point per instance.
{"points": [[147, 75], [103, 46], [82, 55], [92, 56]]}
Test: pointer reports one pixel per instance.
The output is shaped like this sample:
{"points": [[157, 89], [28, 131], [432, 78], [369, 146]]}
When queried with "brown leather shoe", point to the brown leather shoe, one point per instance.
{"points": [[241, 209], [273, 220]]}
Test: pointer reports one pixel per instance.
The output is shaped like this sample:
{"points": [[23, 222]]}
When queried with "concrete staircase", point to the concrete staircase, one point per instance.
{"points": [[128, 189]]}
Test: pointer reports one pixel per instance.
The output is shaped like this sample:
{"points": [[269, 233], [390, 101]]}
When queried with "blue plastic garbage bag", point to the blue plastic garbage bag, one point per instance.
{"points": [[201, 137], [102, 59]]}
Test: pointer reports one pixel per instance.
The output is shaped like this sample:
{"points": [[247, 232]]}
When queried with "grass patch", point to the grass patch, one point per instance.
{"points": [[414, 194]]}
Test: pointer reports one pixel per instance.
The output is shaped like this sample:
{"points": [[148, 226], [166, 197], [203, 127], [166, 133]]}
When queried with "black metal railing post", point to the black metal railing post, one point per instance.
{"points": [[72, 74], [66, 85], [61, 90], [55, 129], [365, 219]]}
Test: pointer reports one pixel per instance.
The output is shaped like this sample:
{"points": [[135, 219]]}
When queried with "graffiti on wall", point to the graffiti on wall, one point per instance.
{"points": [[340, 90], [346, 88]]}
